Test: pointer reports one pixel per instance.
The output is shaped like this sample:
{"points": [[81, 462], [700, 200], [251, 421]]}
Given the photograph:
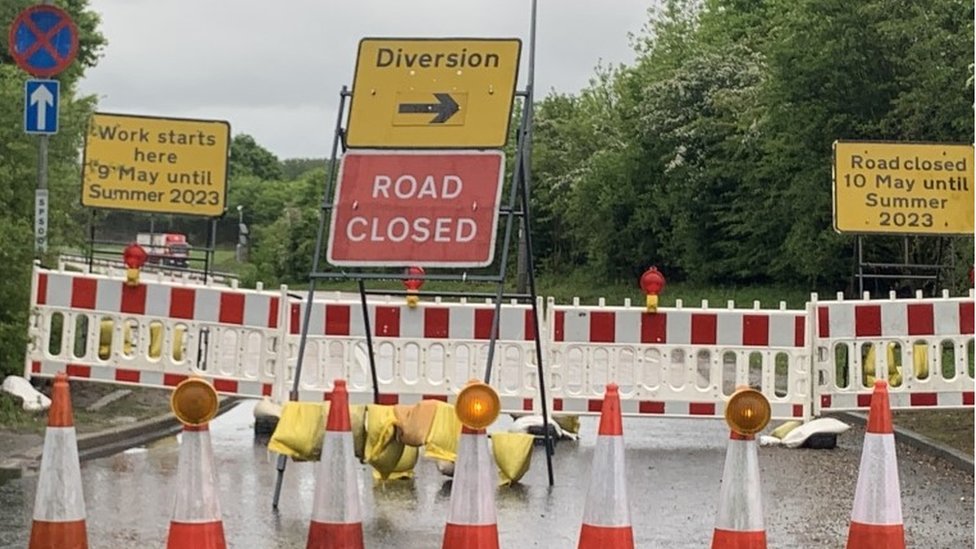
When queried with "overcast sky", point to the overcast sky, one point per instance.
{"points": [[274, 69]]}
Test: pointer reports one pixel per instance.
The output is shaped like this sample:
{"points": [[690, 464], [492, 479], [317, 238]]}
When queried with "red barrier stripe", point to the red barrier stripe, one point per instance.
{"points": [[594, 404], [529, 323], [797, 410], [557, 405], [703, 329], [800, 331], [134, 299], [701, 408], [923, 399], [967, 398], [266, 389], [41, 297], [273, 305], [172, 380], [527, 404], [602, 327], [825, 401], [867, 320], [224, 385], [559, 330], [182, 303], [650, 407], [966, 318], [231, 308], [388, 399], [755, 330], [864, 401], [35, 367], [482, 323], [295, 320], [921, 319], [437, 321], [823, 322], [78, 370], [387, 322], [83, 292], [442, 398], [654, 327], [337, 320], [127, 376]]}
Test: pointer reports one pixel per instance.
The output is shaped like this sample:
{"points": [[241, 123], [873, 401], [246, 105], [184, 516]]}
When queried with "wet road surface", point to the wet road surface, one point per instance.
{"points": [[674, 469]]}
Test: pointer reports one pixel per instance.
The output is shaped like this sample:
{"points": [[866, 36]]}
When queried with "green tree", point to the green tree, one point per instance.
{"points": [[247, 157]]}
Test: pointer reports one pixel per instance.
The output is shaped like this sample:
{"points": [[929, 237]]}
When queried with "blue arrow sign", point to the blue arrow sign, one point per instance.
{"points": [[41, 106]]}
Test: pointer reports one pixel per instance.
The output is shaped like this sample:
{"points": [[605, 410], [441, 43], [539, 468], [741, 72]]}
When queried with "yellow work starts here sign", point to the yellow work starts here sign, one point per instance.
{"points": [[433, 93], [907, 188], [161, 165]]}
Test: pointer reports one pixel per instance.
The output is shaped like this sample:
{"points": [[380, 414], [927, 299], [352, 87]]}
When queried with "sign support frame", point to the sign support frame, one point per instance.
{"points": [[518, 205]]}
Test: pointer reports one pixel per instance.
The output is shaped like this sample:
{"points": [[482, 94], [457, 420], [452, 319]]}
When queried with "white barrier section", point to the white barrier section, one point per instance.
{"points": [[677, 361], [425, 352], [155, 333], [923, 347]]}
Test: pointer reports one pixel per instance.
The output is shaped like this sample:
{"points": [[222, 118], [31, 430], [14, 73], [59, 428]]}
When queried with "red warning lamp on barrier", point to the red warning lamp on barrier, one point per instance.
{"points": [[652, 282], [134, 256], [413, 285]]}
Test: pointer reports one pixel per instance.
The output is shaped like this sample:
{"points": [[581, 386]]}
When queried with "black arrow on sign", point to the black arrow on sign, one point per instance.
{"points": [[445, 108]]}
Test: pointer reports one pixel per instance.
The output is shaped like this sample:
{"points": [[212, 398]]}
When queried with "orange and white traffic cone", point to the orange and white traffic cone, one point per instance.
{"points": [[876, 522], [740, 515], [606, 515], [196, 522], [472, 522], [59, 507], [336, 516]]}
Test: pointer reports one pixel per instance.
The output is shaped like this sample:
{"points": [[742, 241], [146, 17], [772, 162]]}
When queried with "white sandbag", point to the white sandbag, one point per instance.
{"points": [[826, 425], [767, 440], [34, 400], [525, 423]]}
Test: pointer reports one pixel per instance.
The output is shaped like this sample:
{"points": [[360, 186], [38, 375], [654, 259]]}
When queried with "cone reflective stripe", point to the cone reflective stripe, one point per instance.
{"points": [[740, 514], [336, 513], [196, 522], [59, 506], [472, 523], [876, 521], [606, 515]]}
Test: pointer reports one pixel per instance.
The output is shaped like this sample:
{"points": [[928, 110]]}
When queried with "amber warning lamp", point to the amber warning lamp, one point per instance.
{"points": [[194, 401], [747, 412], [134, 256], [477, 405]]}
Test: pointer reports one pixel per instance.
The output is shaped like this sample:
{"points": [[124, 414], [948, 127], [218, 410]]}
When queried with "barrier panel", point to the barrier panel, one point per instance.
{"points": [[154, 334], [425, 352], [922, 346], [677, 361]]}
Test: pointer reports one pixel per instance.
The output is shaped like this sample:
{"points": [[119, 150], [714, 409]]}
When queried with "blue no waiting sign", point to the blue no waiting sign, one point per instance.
{"points": [[43, 40]]}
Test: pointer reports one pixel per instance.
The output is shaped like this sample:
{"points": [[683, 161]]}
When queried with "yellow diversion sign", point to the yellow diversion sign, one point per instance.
{"points": [[161, 165], [433, 93], [908, 188]]}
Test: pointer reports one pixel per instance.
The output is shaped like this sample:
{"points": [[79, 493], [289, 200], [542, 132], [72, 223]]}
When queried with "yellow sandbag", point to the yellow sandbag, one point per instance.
{"points": [[513, 454], [106, 327], [383, 450], [357, 422], [894, 372], [921, 360], [404, 468], [445, 430], [413, 422], [570, 424], [785, 429], [300, 429]]}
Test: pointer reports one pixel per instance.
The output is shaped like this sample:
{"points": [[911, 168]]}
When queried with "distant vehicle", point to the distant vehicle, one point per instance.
{"points": [[168, 249]]}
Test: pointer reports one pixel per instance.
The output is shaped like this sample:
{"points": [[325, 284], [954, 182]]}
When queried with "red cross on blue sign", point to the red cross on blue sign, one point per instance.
{"points": [[43, 40]]}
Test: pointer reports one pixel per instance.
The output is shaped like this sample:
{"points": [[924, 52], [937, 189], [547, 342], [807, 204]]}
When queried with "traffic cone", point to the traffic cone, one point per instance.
{"points": [[740, 515], [336, 517], [472, 522], [196, 522], [606, 516], [876, 522], [59, 506]]}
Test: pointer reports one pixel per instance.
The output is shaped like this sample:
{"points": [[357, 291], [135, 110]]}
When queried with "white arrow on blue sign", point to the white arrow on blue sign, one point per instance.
{"points": [[41, 99]]}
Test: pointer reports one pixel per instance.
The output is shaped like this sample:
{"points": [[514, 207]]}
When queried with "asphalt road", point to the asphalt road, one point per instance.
{"points": [[674, 469]]}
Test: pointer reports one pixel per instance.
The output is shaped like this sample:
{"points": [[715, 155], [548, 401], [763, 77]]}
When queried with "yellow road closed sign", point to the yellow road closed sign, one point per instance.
{"points": [[160, 165], [909, 188], [433, 93]]}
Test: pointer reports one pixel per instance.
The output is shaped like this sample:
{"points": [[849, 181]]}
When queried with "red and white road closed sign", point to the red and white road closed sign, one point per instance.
{"points": [[425, 208]]}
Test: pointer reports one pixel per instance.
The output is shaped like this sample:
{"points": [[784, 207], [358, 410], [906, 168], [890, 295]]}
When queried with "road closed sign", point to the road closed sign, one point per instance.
{"points": [[430, 209], [159, 165], [908, 188], [433, 93]]}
